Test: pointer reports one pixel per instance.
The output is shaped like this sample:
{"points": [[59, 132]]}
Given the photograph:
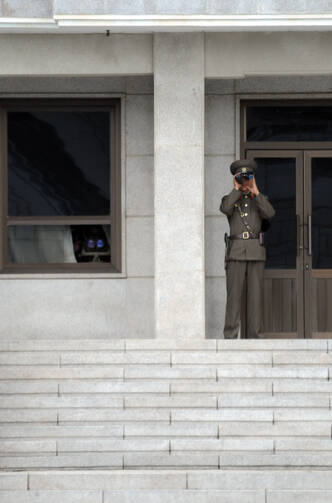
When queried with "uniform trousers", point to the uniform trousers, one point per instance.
{"points": [[236, 272]]}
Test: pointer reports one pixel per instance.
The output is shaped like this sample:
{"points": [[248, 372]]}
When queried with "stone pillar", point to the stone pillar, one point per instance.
{"points": [[179, 184]]}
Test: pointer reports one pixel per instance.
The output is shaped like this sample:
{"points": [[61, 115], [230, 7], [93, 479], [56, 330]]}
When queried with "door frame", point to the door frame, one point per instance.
{"points": [[308, 149]]}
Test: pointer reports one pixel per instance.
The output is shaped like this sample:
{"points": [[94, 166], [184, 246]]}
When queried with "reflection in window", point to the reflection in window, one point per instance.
{"points": [[276, 178], [58, 163], [289, 123]]}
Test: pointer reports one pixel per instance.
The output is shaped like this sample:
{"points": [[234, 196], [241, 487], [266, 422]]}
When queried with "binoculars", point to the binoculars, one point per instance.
{"points": [[241, 177], [94, 244]]}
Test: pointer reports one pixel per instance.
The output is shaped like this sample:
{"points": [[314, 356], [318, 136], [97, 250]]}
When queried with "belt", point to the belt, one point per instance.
{"points": [[244, 235]]}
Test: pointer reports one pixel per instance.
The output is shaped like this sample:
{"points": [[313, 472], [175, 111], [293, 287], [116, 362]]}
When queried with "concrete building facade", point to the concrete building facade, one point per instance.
{"points": [[180, 71], [118, 124]]}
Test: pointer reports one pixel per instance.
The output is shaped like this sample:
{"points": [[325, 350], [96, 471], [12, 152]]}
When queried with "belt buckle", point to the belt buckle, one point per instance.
{"points": [[245, 235]]}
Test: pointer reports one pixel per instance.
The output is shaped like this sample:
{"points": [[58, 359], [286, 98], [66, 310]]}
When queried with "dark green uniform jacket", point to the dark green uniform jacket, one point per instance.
{"points": [[257, 209]]}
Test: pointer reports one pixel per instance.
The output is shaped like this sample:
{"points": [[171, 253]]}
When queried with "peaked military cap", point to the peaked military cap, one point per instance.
{"points": [[243, 166]]}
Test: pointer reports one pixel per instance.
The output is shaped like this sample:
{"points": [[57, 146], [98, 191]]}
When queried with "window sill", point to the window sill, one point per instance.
{"points": [[64, 275]]}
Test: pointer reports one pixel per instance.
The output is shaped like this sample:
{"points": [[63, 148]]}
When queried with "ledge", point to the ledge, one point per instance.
{"points": [[72, 23]]}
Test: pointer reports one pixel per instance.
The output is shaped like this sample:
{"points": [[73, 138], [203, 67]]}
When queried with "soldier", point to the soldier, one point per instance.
{"points": [[245, 208]]}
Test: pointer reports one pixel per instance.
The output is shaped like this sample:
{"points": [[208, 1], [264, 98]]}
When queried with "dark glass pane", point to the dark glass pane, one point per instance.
{"points": [[58, 244], [321, 213], [294, 123], [58, 163], [276, 178]]}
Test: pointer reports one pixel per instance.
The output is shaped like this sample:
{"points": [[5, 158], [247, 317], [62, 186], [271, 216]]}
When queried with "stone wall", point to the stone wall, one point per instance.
{"points": [[124, 307], [88, 307]]}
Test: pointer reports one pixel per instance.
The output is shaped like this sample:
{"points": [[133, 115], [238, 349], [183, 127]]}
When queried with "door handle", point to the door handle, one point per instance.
{"points": [[309, 236]]}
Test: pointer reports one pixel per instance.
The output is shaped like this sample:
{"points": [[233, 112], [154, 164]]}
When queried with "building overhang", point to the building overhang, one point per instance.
{"points": [[71, 23]]}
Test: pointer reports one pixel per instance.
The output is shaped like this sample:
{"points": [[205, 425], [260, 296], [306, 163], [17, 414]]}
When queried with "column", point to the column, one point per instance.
{"points": [[179, 184]]}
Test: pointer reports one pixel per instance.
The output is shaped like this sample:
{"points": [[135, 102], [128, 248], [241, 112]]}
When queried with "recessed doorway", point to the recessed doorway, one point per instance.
{"points": [[295, 172]]}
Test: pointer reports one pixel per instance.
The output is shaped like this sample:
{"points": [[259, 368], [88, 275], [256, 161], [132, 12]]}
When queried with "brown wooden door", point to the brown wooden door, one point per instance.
{"points": [[280, 176], [298, 273]]}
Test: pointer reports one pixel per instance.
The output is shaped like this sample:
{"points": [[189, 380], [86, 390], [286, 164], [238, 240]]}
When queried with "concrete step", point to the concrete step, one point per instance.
{"points": [[281, 372], [127, 496], [51, 496], [152, 429], [183, 386], [182, 460], [21, 447], [282, 400], [195, 400], [42, 431], [203, 496], [101, 371], [23, 386], [280, 429], [60, 373], [110, 401], [274, 345], [13, 447], [172, 357], [91, 460], [153, 372], [302, 358], [222, 358], [175, 344], [109, 480], [115, 358], [148, 404], [168, 486], [29, 358], [244, 430], [28, 416], [117, 415]]}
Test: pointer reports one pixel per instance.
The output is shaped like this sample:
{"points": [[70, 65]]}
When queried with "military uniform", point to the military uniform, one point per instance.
{"points": [[245, 254]]}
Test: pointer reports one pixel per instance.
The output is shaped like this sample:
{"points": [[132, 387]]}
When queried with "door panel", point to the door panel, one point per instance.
{"points": [[280, 177], [280, 306], [318, 243], [321, 306]]}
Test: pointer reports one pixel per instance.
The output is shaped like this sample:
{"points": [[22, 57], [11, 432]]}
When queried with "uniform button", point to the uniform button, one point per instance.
{"points": [[246, 204], [245, 197], [246, 214]]}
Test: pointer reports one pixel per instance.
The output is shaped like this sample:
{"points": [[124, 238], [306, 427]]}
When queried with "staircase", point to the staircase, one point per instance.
{"points": [[167, 421]]}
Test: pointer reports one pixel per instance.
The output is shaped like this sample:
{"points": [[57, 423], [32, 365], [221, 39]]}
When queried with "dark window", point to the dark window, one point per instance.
{"points": [[58, 163], [61, 185], [321, 178], [277, 179], [288, 123]]}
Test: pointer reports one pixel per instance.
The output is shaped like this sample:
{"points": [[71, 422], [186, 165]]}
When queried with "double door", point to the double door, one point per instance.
{"points": [[298, 273]]}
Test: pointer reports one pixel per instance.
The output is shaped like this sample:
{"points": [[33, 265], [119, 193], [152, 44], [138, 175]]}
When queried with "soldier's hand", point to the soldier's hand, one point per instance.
{"points": [[253, 186], [236, 185]]}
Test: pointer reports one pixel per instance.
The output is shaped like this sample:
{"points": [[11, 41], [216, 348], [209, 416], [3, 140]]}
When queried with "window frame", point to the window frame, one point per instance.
{"points": [[278, 145], [113, 105]]}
